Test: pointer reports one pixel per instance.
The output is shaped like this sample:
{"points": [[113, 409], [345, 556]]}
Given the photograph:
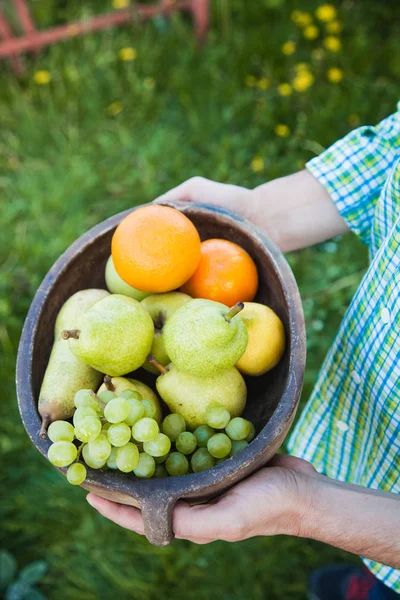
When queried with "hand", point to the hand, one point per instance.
{"points": [[270, 502]]}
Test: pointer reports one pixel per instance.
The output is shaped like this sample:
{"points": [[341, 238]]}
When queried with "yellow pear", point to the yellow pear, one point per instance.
{"points": [[119, 384], [266, 343]]}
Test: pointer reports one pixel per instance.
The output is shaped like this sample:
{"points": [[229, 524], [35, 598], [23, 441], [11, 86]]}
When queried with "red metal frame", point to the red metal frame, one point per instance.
{"points": [[12, 46]]}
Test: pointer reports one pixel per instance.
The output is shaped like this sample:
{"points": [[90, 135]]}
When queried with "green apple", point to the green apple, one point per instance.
{"points": [[116, 285]]}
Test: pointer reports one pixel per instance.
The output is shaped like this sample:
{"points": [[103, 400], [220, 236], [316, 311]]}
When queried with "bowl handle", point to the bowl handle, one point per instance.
{"points": [[157, 512]]}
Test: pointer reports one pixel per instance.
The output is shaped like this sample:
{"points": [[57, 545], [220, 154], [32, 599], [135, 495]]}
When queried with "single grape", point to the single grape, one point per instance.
{"points": [[173, 425], [219, 445], [252, 433], [112, 459], [86, 398], [238, 429], [87, 429], [62, 454], [160, 472], [149, 409], [237, 446], [76, 473], [160, 446], [119, 434], [145, 467], [117, 410], [127, 457], [82, 412], [100, 448], [201, 460], [186, 442], [177, 464], [145, 430], [136, 411], [130, 394], [217, 416], [161, 459], [61, 431], [93, 464], [203, 434], [106, 396]]}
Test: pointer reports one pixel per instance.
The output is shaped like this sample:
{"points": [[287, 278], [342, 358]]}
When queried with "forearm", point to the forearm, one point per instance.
{"points": [[296, 211], [362, 521]]}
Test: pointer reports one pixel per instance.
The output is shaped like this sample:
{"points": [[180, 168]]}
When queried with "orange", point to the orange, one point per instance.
{"points": [[155, 249], [226, 273]]}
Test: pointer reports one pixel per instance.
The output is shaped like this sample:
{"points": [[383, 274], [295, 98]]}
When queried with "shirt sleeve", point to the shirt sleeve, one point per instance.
{"points": [[355, 168]]}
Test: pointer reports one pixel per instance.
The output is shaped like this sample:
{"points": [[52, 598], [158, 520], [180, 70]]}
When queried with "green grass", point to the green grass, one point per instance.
{"points": [[65, 164]]}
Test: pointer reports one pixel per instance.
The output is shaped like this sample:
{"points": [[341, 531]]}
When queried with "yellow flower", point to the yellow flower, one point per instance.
{"points": [[335, 75], [301, 18], [288, 48], [284, 89], [301, 67], [311, 32], [353, 120], [42, 77], [250, 81], [334, 27], [257, 164], [326, 12], [120, 3], [282, 130], [302, 81], [149, 83], [318, 53], [263, 83], [127, 54], [332, 43], [115, 109]]}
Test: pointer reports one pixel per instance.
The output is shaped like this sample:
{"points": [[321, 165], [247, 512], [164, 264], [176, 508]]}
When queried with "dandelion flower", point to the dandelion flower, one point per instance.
{"points": [[289, 48], [332, 43], [326, 13], [334, 27], [301, 67], [257, 164], [127, 54], [335, 75], [149, 83], [114, 109], [42, 77], [263, 83], [250, 81], [302, 81], [284, 89], [301, 18], [282, 130], [311, 32], [120, 3]]}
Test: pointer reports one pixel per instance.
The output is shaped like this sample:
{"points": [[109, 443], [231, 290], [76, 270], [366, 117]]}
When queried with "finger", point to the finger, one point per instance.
{"points": [[202, 523], [199, 189], [125, 516], [290, 462]]}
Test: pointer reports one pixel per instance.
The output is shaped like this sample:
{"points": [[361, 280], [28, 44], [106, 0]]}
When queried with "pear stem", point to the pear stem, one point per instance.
{"points": [[98, 400], [70, 333], [45, 423], [152, 360], [108, 383], [234, 311]]}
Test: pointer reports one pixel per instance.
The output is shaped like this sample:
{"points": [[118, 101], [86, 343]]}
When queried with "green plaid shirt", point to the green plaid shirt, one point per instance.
{"points": [[350, 428]]}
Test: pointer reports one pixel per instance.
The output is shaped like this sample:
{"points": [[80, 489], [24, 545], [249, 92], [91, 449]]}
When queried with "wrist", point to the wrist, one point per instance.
{"points": [[302, 510]]}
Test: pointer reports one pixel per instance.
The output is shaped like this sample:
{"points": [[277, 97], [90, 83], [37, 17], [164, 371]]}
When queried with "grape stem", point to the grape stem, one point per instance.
{"points": [[43, 429], [153, 361], [70, 333], [98, 400], [108, 383], [234, 311], [78, 454]]}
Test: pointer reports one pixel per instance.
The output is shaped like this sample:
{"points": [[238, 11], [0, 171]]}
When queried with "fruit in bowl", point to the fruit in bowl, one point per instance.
{"points": [[108, 416]]}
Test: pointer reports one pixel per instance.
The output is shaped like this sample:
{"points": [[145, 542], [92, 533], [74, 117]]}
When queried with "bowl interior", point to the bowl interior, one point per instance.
{"points": [[85, 269]]}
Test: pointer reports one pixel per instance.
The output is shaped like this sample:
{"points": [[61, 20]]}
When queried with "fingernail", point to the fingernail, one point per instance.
{"points": [[91, 500]]}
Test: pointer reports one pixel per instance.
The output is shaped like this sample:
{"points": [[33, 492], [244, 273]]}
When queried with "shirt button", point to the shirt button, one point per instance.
{"points": [[385, 315], [342, 426], [356, 378]]}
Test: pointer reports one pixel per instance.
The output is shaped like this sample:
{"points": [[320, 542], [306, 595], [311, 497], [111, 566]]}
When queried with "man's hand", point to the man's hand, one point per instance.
{"points": [[294, 211], [273, 501]]}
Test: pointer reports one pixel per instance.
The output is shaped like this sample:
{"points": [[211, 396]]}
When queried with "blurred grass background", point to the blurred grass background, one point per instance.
{"points": [[96, 134]]}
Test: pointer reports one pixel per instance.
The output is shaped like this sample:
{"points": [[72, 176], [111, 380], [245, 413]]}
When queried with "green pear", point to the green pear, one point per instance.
{"points": [[190, 396], [205, 337], [117, 285], [114, 336], [65, 374], [161, 307], [119, 384]]}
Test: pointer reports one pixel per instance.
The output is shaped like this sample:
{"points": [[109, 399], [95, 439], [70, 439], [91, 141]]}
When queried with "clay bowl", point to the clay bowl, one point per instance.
{"points": [[272, 398]]}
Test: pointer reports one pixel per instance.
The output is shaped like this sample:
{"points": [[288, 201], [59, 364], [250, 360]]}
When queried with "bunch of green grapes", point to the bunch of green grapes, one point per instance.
{"points": [[119, 432]]}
